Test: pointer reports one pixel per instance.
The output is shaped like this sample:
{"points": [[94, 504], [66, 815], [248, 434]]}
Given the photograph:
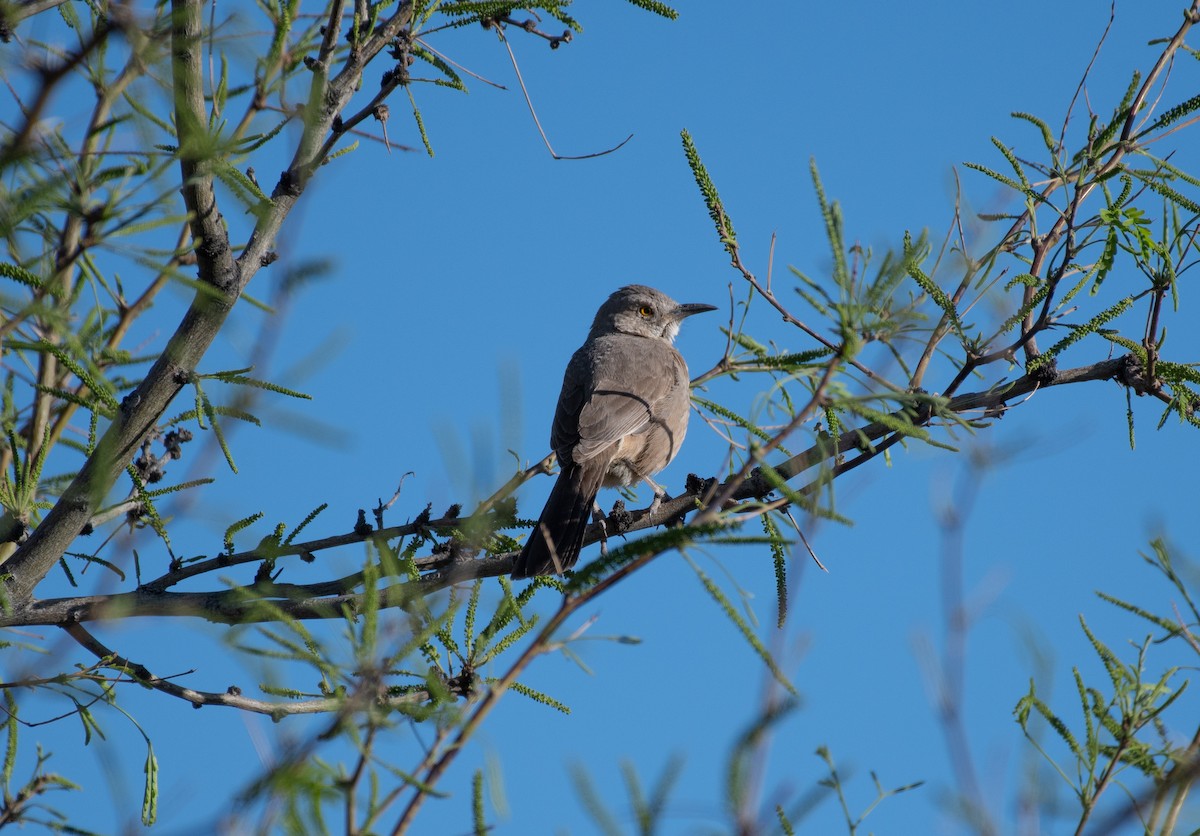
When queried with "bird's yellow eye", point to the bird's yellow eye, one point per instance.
{"points": [[646, 311]]}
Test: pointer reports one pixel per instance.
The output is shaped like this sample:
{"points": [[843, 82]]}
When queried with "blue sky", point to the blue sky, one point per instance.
{"points": [[460, 285]]}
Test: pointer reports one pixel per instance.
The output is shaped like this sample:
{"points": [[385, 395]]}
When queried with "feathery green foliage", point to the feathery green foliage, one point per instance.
{"points": [[708, 191], [406, 649], [747, 632]]}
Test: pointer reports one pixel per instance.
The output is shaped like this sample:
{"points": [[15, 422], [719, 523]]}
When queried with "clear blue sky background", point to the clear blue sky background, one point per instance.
{"points": [[460, 285]]}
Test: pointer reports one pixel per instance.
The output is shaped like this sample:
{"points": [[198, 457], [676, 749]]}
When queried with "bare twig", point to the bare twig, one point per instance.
{"points": [[231, 698], [533, 112]]}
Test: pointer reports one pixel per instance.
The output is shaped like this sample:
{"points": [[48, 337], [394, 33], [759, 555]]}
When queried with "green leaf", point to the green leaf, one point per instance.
{"points": [[1173, 115], [234, 528], [1032, 701], [242, 187], [1047, 136], [1078, 332], [10, 747], [1014, 162], [1007, 181], [98, 385], [831, 214], [779, 558], [453, 79], [1114, 666], [1174, 196], [538, 696], [312, 515], [733, 417], [716, 209], [150, 792], [784, 823], [479, 820], [416, 111], [936, 293], [656, 7], [736, 619], [20, 274], [1166, 624], [238, 378]]}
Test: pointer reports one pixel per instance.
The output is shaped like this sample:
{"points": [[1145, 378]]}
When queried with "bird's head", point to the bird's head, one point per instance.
{"points": [[644, 312]]}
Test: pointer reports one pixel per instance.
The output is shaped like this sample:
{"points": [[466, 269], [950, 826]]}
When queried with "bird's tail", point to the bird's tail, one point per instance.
{"points": [[553, 545]]}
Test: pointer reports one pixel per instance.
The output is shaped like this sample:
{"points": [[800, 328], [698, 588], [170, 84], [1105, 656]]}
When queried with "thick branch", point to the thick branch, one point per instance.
{"points": [[334, 599], [223, 280], [220, 289]]}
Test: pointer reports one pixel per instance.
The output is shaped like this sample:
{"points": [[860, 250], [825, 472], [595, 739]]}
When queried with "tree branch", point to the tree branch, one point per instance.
{"points": [[232, 697], [223, 280], [261, 602]]}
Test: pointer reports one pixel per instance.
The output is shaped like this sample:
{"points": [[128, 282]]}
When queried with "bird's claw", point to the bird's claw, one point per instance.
{"points": [[599, 519]]}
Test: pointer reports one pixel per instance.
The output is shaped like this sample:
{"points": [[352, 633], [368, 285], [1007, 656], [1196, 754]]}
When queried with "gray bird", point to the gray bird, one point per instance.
{"points": [[621, 417]]}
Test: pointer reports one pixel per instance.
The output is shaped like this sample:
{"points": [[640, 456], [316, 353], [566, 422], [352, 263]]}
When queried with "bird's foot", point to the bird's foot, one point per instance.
{"points": [[660, 496], [599, 519]]}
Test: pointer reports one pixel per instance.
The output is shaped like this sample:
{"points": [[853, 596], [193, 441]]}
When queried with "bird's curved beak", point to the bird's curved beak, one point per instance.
{"points": [[688, 308]]}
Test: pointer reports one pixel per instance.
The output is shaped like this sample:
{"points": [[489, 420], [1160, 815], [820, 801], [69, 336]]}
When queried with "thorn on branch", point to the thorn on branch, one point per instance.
{"points": [[268, 258], [381, 113]]}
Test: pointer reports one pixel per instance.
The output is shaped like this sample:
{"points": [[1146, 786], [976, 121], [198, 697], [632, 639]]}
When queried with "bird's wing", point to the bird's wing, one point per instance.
{"points": [[610, 394]]}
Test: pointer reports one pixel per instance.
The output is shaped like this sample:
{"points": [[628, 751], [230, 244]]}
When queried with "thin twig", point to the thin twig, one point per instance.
{"points": [[230, 698], [533, 112]]}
